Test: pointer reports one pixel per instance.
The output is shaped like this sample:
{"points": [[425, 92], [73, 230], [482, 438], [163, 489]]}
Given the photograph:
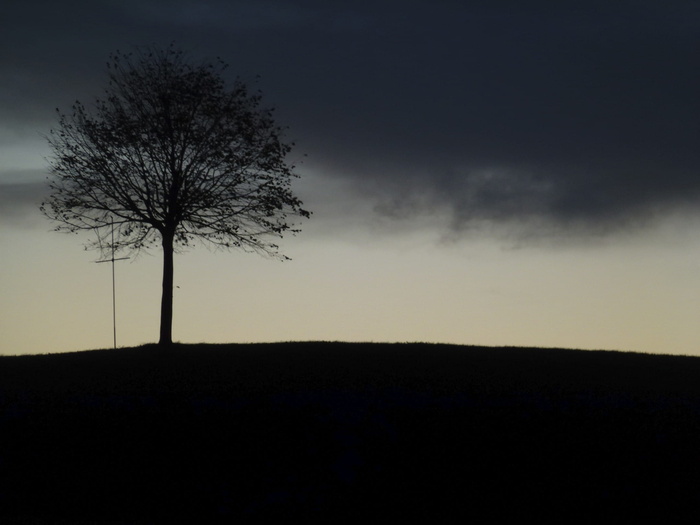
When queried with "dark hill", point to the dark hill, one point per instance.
{"points": [[333, 432]]}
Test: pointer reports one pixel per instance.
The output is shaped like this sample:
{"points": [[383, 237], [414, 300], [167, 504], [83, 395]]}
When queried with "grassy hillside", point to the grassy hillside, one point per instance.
{"points": [[343, 432]]}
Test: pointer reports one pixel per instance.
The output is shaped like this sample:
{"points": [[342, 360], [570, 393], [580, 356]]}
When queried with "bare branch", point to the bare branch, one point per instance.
{"points": [[171, 155]]}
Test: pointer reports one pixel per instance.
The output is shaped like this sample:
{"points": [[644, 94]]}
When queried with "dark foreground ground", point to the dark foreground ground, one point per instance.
{"points": [[332, 432]]}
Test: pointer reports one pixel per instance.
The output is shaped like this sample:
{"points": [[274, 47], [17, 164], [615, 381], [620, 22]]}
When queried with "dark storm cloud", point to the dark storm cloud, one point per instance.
{"points": [[582, 113], [581, 116]]}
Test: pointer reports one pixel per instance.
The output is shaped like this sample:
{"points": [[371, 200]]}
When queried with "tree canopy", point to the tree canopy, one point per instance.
{"points": [[172, 154]]}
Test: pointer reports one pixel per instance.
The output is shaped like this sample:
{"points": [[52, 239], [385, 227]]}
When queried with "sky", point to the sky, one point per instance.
{"points": [[496, 172]]}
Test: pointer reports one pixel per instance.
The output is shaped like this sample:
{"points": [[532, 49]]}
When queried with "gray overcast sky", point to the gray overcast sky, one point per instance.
{"points": [[577, 116]]}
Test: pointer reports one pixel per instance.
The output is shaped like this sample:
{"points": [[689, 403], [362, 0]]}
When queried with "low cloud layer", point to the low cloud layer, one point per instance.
{"points": [[19, 203]]}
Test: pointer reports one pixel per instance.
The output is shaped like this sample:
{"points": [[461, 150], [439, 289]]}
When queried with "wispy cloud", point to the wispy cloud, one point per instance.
{"points": [[19, 202]]}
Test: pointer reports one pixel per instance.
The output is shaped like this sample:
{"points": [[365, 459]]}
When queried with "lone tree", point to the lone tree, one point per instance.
{"points": [[170, 155]]}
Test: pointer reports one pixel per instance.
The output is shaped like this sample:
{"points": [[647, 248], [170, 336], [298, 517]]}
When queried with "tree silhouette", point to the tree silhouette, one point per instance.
{"points": [[170, 155]]}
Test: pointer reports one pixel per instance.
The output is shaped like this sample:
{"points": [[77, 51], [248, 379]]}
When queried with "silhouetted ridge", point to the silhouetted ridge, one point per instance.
{"points": [[319, 431]]}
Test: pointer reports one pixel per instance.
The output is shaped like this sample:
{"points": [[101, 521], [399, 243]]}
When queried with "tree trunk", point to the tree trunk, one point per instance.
{"points": [[166, 303]]}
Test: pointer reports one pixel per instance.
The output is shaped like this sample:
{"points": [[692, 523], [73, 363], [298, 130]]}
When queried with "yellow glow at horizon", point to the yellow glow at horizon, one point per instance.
{"points": [[639, 295]]}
